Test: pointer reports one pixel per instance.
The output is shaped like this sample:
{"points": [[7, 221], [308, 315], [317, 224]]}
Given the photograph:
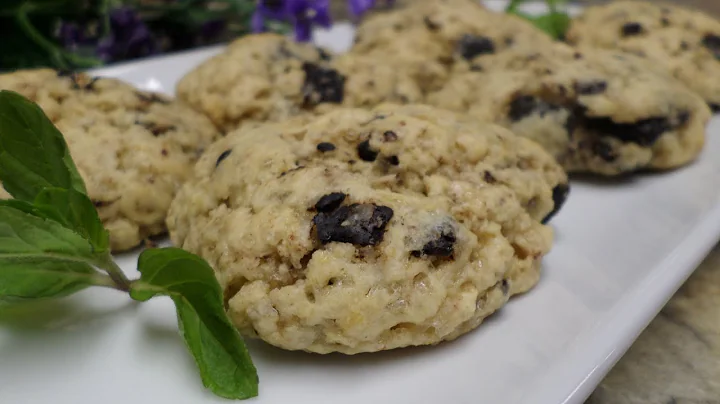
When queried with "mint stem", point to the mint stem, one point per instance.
{"points": [[104, 281], [116, 274]]}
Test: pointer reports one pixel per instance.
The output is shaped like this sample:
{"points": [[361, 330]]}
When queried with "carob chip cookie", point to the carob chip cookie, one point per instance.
{"points": [[429, 38], [269, 78], [354, 255], [596, 111], [132, 148], [684, 42]]}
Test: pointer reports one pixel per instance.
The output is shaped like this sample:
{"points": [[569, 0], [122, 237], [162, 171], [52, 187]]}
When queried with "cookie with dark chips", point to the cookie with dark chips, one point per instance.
{"points": [[596, 111], [427, 39], [269, 78], [415, 226], [685, 42]]}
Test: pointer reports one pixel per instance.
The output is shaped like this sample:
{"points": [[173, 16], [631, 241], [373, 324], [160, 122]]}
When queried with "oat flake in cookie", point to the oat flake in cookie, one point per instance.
{"points": [[597, 111], [426, 39], [383, 237], [269, 78], [683, 41], [132, 148]]}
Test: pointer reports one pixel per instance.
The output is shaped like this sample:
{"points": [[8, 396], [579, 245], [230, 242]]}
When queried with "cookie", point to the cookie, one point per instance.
{"points": [[538, 181], [683, 41], [511, 160], [359, 231], [132, 148], [427, 39], [596, 111], [270, 78]]}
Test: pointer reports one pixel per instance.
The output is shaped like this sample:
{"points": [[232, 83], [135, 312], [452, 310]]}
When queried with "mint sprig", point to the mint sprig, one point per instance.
{"points": [[555, 22], [224, 362], [53, 244]]}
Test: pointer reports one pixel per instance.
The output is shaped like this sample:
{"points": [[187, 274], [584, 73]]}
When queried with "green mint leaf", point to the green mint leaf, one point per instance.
{"points": [[33, 153], [38, 278], [39, 257], [513, 6], [45, 174], [554, 4], [75, 211], [25, 207], [555, 24], [25, 235], [219, 351]]}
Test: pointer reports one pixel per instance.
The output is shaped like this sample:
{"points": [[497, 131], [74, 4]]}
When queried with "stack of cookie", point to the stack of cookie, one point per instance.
{"points": [[618, 102], [601, 111], [397, 194]]}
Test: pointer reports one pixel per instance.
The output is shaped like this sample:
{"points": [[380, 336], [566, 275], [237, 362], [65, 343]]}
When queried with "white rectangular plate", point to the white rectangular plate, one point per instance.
{"points": [[622, 248]]}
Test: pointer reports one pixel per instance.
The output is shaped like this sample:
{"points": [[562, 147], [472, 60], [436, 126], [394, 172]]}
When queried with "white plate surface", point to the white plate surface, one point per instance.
{"points": [[622, 248]]}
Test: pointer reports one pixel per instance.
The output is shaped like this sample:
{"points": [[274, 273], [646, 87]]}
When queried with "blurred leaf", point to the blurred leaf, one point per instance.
{"points": [[555, 23]]}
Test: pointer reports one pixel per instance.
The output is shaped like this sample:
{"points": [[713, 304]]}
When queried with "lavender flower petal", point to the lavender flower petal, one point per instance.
{"points": [[129, 38], [302, 14], [274, 9], [303, 31], [322, 13], [257, 23], [69, 35], [359, 7]]}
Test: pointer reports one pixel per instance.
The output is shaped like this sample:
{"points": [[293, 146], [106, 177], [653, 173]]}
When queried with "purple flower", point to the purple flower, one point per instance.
{"points": [[129, 37], [69, 34], [358, 8], [72, 36], [302, 14]]}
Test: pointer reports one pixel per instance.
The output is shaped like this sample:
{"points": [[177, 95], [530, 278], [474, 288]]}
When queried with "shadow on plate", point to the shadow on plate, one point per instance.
{"points": [[43, 315], [625, 179], [34, 331], [603, 181]]}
